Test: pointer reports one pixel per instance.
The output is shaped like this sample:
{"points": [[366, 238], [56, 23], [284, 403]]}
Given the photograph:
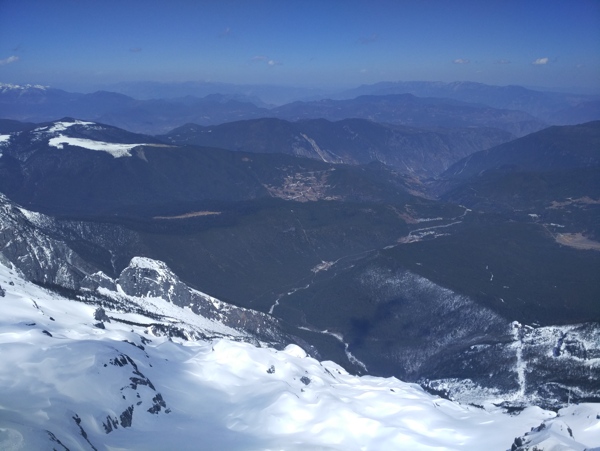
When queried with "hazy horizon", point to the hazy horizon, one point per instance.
{"points": [[329, 45]]}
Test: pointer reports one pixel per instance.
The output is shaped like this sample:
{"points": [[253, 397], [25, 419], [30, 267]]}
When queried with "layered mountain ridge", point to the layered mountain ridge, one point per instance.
{"points": [[480, 285], [350, 141], [514, 109], [354, 236]]}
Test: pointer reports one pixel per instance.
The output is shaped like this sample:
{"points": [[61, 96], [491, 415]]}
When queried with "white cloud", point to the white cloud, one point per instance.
{"points": [[503, 61], [265, 59], [541, 61], [461, 61], [10, 59]]}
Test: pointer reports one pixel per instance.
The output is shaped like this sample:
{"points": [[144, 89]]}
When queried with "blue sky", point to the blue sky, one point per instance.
{"points": [[62, 43]]}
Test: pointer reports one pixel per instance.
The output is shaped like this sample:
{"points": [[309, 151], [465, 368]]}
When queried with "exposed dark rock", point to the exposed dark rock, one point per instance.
{"points": [[100, 315], [135, 381], [127, 417], [158, 403], [82, 431], [305, 380], [111, 424], [54, 439], [119, 361], [98, 280], [134, 344], [271, 369]]}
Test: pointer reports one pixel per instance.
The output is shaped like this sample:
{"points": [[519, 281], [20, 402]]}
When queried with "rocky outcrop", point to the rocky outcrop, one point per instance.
{"points": [[145, 277], [41, 257]]}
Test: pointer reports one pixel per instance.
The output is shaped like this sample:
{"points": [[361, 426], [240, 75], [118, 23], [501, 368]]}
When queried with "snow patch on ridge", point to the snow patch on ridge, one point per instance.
{"points": [[148, 263], [59, 139], [520, 365], [61, 126], [114, 149], [4, 87], [37, 219], [4, 140]]}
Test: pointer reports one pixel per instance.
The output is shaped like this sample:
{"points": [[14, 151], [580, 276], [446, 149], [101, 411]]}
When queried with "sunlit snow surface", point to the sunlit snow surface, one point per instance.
{"points": [[4, 140], [117, 150], [57, 370]]}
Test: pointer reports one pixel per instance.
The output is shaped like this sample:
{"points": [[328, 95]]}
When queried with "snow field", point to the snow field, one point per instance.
{"points": [[114, 149], [219, 394]]}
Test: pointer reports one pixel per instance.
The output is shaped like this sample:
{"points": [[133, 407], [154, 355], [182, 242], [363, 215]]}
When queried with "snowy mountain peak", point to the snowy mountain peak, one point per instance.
{"points": [[148, 263], [4, 87], [153, 287], [152, 278]]}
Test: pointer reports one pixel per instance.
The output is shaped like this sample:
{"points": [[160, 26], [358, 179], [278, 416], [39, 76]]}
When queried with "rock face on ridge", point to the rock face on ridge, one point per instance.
{"points": [[61, 253], [147, 278], [40, 248], [152, 278], [42, 258]]}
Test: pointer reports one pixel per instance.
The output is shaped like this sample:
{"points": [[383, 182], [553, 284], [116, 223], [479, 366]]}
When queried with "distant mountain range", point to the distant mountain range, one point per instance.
{"points": [[555, 148], [513, 109], [552, 175], [547, 106], [260, 95], [407, 109], [411, 151], [72, 166], [41, 104]]}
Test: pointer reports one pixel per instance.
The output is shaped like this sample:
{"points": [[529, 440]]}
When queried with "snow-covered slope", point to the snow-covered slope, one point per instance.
{"points": [[569, 430], [59, 137], [148, 288], [75, 133], [70, 379]]}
